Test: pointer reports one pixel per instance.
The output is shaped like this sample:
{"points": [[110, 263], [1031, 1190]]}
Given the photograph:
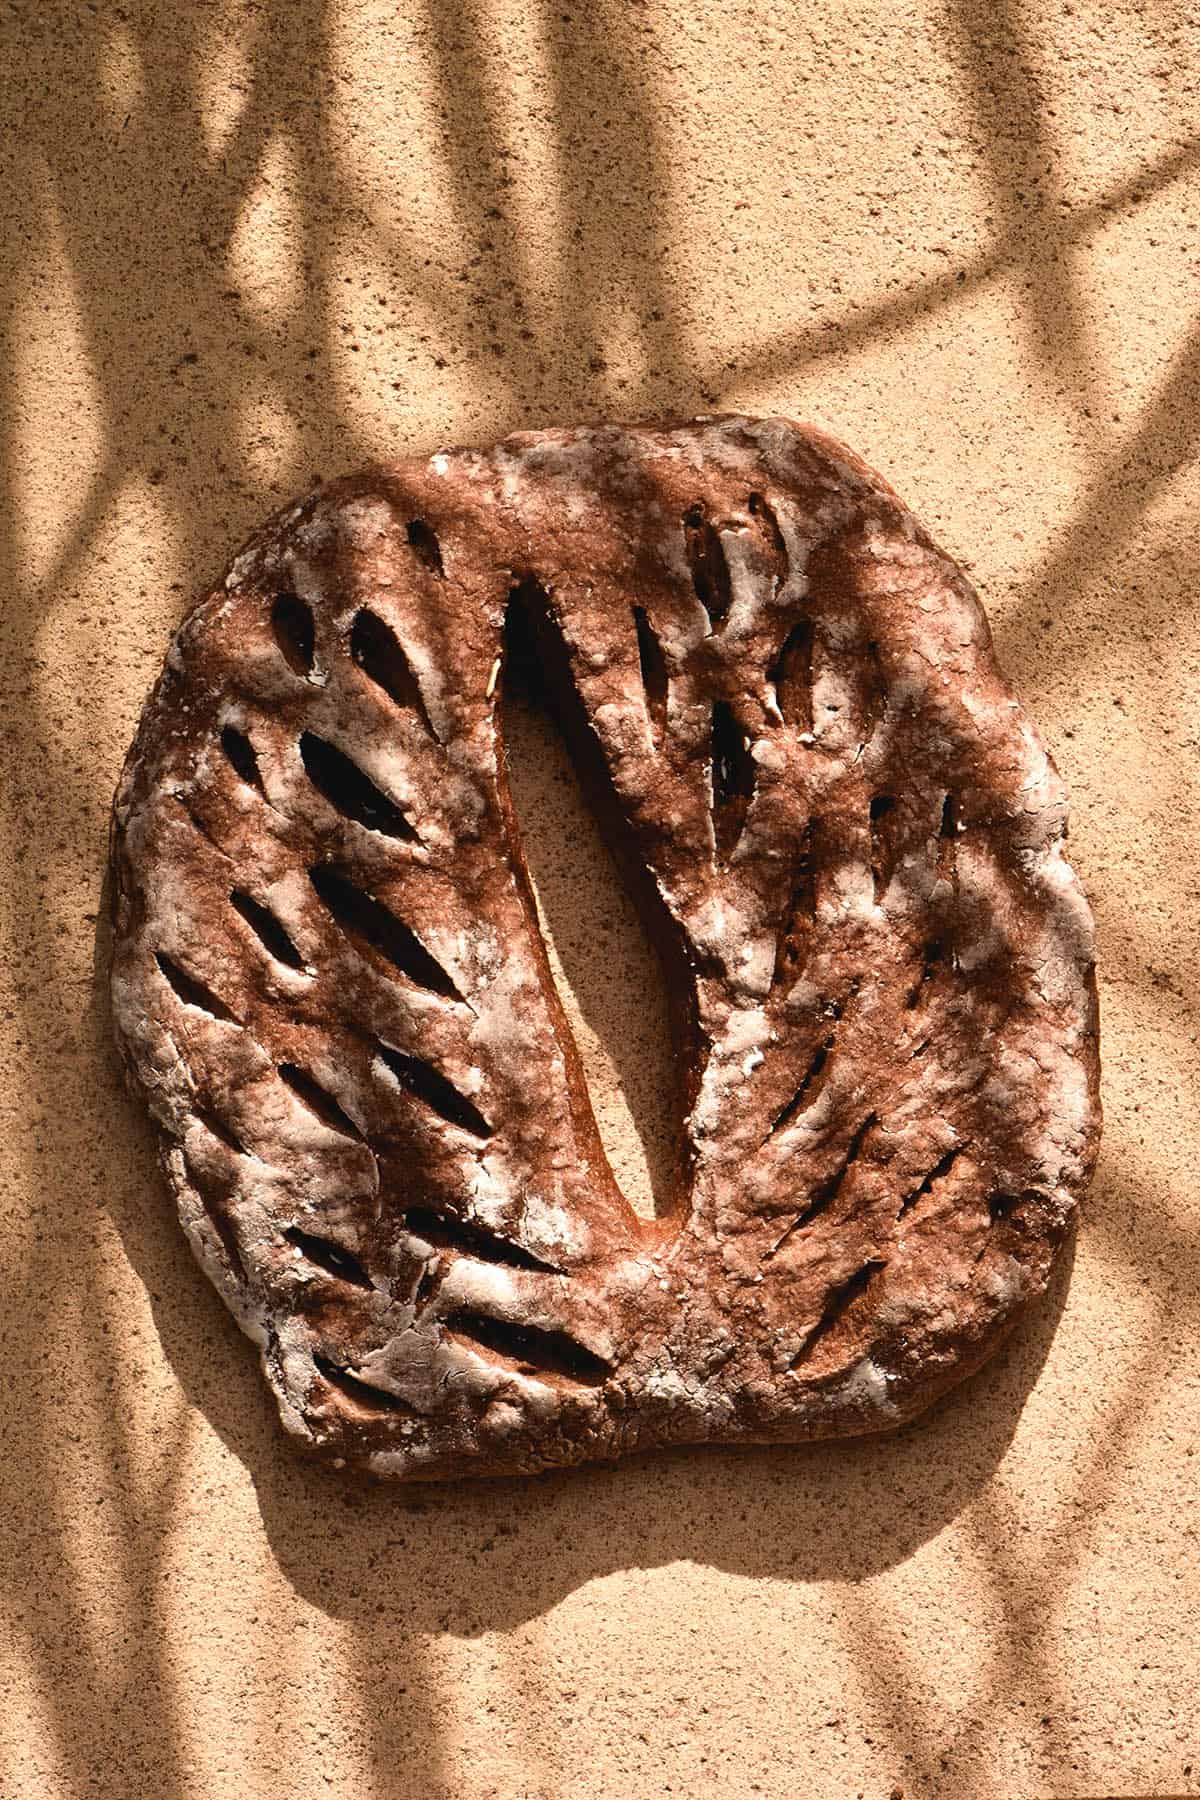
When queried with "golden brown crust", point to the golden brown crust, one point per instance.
{"points": [[329, 984]]}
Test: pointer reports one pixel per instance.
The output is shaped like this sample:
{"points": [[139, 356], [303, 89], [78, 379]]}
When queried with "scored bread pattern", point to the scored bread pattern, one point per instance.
{"points": [[843, 835]]}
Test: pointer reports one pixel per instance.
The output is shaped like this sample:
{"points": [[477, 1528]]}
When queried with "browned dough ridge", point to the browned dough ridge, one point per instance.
{"points": [[844, 834]]}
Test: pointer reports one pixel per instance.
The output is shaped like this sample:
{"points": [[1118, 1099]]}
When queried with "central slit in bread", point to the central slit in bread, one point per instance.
{"points": [[318, 1100], [939, 1169], [424, 540], [883, 843], [813, 1073], [800, 918], [223, 1133], [606, 967]]}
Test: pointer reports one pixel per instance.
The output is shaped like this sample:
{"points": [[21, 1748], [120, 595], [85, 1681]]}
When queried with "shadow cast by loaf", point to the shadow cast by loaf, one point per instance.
{"points": [[485, 1556]]}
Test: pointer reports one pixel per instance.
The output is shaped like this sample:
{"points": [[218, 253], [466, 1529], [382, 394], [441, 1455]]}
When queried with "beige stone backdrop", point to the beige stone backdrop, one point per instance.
{"points": [[244, 243]]}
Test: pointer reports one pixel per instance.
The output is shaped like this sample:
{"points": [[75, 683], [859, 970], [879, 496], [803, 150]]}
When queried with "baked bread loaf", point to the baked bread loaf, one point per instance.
{"points": [[845, 835]]}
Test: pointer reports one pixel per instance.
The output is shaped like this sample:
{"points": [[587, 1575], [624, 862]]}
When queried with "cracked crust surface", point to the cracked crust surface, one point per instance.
{"points": [[844, 835]]}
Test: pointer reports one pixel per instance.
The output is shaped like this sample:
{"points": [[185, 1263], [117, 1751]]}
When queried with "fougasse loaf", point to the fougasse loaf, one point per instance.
{"points": [[844, 834]]}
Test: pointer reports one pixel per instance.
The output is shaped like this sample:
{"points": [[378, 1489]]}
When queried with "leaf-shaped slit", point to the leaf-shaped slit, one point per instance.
{"points": [[325, 1254], [655, 681], [348, 790], [874, 696], [266, 928], [380, 655], [940, 1168], [292, 625], [240, 754], [706, 560], [732, 778], [947, 852], [933, 953], [791, 949], [761, 508], [816, 1069], [471, 1239], [192, 992], [430, 1280], [363, 1394], [838, 1302], [827, 1191], [424, 540], [883, 843], [318, 1100], [430, 1086], [791, 678], [199, 826], [530, 1349], [223, 1133], [218, 1213], [363, 917]]}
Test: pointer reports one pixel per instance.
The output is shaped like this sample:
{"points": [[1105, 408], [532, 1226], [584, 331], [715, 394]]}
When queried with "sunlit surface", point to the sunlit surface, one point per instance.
{"points": [[242, 246]]}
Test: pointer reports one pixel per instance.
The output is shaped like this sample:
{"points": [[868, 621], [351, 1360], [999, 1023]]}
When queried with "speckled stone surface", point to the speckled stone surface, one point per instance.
{"points": [[244, 247]]}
